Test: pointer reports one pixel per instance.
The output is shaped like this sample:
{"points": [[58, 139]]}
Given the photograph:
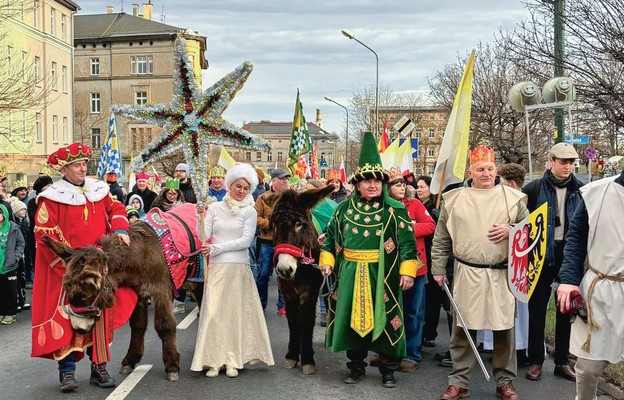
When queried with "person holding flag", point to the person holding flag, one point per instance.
{"points": [[474, 226], [300, 142]]}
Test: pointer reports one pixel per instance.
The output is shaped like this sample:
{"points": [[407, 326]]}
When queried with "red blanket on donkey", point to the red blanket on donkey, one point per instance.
{"points": [[177, 231]]}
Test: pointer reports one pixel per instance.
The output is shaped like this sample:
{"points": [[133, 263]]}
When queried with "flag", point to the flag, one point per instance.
{"points": [[527, 253], [451, 164], [343, 173], [314, 162], [300, 169], [156, 176], [300, 142], [390, 156], [110, 158], [383, 140], [225, 159], [131, 176], [405, 160]]}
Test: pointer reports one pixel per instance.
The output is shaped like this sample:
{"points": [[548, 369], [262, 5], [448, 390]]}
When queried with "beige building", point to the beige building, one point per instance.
{"points": [[430, 123], [125, 59], [278, 134], [37, 66]]}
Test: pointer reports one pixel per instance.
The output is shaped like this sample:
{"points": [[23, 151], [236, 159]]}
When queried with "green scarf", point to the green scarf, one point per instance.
{"points": [[5, 229]]}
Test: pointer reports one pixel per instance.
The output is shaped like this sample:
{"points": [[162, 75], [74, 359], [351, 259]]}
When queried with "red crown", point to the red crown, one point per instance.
{"points": [[70, 154], [481, 153]]}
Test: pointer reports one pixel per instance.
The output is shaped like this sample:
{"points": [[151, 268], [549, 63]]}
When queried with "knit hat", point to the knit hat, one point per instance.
{"points": [[369, 166], [132, 212], [241, 170], [182, 167], [17, 205], [42, 182]]}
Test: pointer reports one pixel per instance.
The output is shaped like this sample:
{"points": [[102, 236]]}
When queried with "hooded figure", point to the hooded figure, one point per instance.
{"points": [[136, 197]]}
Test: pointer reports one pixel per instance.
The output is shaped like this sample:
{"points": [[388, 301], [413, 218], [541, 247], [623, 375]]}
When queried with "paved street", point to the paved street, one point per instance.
{"points": [[24, 378]]}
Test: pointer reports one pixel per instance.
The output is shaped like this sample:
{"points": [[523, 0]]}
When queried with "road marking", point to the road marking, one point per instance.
{"points": [[186, 322], [130, 382]]}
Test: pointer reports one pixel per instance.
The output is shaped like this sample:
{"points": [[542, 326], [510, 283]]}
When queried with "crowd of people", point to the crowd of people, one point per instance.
{"points": [[389, 244]]}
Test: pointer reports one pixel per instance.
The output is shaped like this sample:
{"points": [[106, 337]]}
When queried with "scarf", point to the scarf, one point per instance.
{"points": [[5, 230], [235, 205], [560, 183]]}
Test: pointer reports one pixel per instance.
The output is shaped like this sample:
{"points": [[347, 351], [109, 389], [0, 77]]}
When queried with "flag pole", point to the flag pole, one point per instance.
{"points": [[441, 185]]}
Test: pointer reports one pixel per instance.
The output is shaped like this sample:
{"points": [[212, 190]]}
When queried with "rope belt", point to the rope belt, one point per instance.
{"points": [[592, 325], [500, 265]]}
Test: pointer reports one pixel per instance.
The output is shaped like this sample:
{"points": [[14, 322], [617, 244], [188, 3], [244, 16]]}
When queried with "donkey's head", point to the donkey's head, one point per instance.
{"points": [[88, 289], [294, 234]]}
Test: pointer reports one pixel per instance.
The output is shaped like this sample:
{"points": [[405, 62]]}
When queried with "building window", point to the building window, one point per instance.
{"points": [[64, 78], [63, 27], [258, 156], [52, 22], [141, 98], [248, 156], [24, 58], [323, 174], [280, 156], [95, 66], [269, 156], [38, 127], [36, 14], [53, 76], [95, 103], [418, 133], [141, 65], [431, 170], [95, 138], [37, 70], [55, 129], [65, 130], [269, 171], [431, 133], [431, 152], [24, 134]]}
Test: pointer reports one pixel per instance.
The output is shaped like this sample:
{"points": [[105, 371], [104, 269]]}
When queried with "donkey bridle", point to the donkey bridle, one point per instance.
{"points": [[297, 252], [80, 311]]}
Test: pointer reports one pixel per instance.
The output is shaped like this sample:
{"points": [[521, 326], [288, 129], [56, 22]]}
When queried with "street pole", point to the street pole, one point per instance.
{"points": [[350, 35], [346, 132], [559, 45]]}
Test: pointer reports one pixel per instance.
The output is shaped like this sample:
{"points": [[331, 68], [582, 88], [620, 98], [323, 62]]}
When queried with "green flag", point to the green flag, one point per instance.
{"points": [[300, 142]]}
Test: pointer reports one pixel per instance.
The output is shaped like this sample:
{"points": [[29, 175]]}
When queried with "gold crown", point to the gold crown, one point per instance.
{"points": [[368, 171], [394, 173], [481, 153], [217, 171]]}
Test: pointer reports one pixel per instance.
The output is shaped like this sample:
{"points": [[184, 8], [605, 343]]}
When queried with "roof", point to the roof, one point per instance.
{"points": [[281, 128], [118, 26], [69, 4]]}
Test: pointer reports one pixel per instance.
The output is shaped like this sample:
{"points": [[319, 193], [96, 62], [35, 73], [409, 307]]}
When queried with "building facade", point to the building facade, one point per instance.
{"points": [[278, 134], [430, 123], [125, 59], [37, 70]]}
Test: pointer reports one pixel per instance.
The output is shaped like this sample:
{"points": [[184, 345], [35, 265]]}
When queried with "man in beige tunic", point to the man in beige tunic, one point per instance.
{"points": [[474, 224]]}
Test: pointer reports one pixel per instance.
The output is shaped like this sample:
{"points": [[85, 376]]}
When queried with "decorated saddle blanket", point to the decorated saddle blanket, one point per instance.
{"points": [[177, 232]]}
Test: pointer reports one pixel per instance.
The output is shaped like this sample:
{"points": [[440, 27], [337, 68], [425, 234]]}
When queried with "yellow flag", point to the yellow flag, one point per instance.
{"points": [[225, 159]]}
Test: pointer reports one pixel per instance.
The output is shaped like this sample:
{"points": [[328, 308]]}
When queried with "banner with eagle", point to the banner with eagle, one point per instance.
{"points": [[527, 253]]}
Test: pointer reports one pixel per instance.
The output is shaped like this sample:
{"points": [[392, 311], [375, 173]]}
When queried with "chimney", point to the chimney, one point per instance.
{"points": [[147, 11], [109, 9], [319, 118], [135, 10]]}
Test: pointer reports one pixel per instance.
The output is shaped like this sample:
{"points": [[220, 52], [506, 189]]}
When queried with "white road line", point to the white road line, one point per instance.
{"points": [[130, 382], [186, 322]]}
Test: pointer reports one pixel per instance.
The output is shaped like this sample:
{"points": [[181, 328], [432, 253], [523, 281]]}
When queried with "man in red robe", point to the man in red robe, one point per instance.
{"points": [[77, 211]]}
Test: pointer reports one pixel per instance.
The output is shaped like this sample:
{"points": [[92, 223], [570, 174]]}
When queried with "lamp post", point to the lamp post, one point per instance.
{"points": [[350, 35], [346, 131]]}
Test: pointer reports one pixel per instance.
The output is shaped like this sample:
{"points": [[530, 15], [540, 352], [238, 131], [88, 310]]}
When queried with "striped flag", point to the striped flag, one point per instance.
{"points": [[314, 162], [110, 158], [300, 142]]}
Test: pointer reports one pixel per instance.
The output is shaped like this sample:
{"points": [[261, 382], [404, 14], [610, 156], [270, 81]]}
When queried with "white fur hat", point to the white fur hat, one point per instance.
{"points": [[241, 170]]}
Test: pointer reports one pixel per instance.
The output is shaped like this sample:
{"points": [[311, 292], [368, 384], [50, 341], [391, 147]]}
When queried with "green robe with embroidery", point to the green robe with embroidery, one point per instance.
{"points": [[383, 227]]}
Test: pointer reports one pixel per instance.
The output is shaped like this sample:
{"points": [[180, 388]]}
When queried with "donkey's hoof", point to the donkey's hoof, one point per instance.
{"points": [[173, 376], [290, 364], [126, 370], [309, 369]]}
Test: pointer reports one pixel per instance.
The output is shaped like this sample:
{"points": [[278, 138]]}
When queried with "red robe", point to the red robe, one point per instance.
{"points": [[76, 216]]}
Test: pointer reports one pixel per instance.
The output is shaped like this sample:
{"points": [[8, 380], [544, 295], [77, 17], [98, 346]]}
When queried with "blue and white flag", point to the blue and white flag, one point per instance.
{"points": [[110, 158]]}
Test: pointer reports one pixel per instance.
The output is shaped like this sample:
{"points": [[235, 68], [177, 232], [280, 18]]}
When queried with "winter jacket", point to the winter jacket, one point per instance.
{"points": [[115, 191], [424, 226], [542, 191], [188, 192], [264, 208], [339, 196], [14, 249], [217, 194], [147, 196]]}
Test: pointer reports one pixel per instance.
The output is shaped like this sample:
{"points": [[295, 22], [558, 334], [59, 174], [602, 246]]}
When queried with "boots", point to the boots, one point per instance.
{"points": [[100, 376], [68, 382]]}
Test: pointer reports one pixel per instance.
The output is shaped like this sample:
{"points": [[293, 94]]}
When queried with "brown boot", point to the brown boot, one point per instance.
{"points": [[534, 373], [566, 372], [507, 392], [455, 393]]}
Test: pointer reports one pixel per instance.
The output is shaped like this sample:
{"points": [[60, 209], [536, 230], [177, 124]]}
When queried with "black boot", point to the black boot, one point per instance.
{"points": [[100, 376], [68, 382], [387, 380], [355, 375]]}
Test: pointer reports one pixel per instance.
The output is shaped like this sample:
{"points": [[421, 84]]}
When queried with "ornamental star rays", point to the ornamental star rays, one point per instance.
{"points": [[192, 121]]}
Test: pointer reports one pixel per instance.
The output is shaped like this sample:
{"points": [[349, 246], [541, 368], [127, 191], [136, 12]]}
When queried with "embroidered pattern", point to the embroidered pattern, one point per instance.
{"points": [[389, 246], [367, 219], [396, 322], [377, 217], [355, 231], [356, 217], [367, 207], [376, 205], [362, 306], [401, 225], [366, 233], [378, 232]]}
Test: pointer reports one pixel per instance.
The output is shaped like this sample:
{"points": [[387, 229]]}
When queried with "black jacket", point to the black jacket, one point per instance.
{"points": [[147, 195], [188, 192], [116, 191]]}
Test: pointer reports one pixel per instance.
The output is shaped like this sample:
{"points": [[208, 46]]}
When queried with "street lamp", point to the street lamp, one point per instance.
{"points": [[346, 132], [350, 35]]}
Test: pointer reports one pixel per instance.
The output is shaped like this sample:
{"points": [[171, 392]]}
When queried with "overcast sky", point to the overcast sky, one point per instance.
{"points": [[297, 44]]}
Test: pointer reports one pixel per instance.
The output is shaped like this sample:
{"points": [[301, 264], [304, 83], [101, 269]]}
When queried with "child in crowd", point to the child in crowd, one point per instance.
{"points": [[137, 203], [18, 208], [11, 251], [133, 214]]}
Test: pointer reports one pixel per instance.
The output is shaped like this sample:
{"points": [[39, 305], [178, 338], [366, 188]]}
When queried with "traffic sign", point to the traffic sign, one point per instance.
{"points": [[404, 126], [590, 152], [578, 139]]}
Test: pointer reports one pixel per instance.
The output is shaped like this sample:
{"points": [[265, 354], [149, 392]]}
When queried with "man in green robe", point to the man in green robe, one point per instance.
{"points": [[369, 245]]}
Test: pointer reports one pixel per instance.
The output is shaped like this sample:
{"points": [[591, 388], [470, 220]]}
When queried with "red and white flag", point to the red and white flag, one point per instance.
{"points": [[156, 176], [314, 163], [343, 173]]}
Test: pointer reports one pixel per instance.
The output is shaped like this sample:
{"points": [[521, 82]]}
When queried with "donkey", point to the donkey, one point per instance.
{"points": [[93, 273], [296, 248]]}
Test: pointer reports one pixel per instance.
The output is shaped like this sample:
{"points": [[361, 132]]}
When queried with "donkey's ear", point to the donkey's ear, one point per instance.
{"points": [[57, 247], [309, 198]]}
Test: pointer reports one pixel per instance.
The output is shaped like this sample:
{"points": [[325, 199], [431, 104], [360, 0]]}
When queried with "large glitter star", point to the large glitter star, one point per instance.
{"points": [[192, 121]]}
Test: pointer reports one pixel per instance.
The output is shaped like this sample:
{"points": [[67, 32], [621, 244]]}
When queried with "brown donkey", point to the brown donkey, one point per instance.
{"points": [[93, 273]]}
